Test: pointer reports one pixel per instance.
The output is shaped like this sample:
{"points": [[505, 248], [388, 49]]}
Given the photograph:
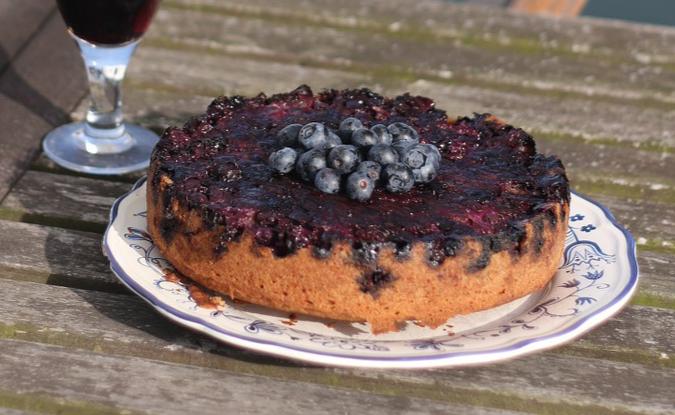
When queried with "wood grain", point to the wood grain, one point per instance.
{"points": [[55, 256], [149, 386], [375, 32], [126, 326], [36, 97], [65, 198], [19, 21]]}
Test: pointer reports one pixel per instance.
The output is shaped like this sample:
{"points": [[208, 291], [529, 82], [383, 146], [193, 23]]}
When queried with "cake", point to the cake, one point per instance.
{"points": [[487, 230]]}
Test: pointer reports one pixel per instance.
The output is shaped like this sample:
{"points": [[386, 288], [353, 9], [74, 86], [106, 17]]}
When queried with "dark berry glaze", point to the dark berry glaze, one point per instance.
{"points": [[490, 180]]}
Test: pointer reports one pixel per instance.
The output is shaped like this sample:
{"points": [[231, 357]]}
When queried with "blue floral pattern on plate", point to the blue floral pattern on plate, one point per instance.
{"points": [[596, 278]]}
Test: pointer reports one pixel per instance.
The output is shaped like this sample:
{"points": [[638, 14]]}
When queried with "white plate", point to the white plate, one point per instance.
{"points": [[597, 278]]}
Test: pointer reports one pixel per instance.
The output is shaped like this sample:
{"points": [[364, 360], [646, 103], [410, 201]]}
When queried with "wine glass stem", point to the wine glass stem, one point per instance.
{"points": [[106, 66]]}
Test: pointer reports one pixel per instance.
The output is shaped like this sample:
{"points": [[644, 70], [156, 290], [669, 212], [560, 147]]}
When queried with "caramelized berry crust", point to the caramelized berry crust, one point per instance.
{"points": [[491, 181]]}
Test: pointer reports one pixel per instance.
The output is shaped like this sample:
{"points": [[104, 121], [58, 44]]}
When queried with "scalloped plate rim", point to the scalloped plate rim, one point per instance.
{"points": [[583, 324]]}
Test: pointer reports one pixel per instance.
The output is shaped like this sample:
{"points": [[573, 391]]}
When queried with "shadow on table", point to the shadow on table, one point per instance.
{"points": [[142, 331], [15, 87]]}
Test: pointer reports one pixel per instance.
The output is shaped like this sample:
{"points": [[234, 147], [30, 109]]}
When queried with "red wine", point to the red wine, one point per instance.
{"points": [[110, 22]]}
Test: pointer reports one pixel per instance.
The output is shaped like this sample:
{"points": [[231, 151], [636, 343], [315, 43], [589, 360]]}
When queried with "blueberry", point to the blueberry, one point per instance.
{"points": [[371, 168], [347, 127], [383, 154], [327, 180], [382, 133], [403, 132], [403, 136], [425, 174], [312, 135], [344, 158], [398, 178], [364, 137], [309, 163], [359, 186], [283, 160], [419, 155], [332, 140], [288, 136]]}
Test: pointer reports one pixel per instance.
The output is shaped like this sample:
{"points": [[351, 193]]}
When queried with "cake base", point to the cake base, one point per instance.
{"points": [[342, 288]]}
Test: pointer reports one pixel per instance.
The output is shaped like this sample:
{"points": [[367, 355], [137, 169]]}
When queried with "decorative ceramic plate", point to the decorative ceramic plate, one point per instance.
{"points": [[598, 275]]}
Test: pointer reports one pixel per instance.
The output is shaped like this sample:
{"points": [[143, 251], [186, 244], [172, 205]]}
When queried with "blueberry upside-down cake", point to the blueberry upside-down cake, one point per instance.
{"points": [[353, 206]]}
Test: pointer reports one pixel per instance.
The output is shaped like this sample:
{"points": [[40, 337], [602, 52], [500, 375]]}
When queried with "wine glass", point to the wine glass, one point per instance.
{"points": [[107, 33]]}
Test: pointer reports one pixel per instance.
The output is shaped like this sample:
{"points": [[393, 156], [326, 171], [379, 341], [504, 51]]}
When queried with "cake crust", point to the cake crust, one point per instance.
{"points": [[438, 275]]}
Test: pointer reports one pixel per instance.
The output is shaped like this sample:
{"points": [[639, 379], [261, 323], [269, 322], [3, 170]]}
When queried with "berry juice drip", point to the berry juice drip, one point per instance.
{"points": [[108, 22]]}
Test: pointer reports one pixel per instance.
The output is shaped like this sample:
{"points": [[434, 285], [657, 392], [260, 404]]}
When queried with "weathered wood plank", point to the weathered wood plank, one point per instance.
{"points": [[63, 199], [496, 29], [143, 385], [19, 21], [7, 411], [124, 325], [174, 71], [36, 97], [366, 39], [55, 256]]}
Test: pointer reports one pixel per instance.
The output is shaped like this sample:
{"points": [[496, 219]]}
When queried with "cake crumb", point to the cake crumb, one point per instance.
{"points": [[292, 320]]}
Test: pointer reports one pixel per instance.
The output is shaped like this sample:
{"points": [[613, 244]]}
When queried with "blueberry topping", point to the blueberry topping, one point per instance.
{"points": [[332, 140], [419, 155], [344, 158], [364, 137], [282, 161], [347, 127], [359, 186], [327, 180], [383, 154], [425, 174], [398, 178], [309, 163], [319, 156], [288, 136], [312, 135], [403, 136], [402, 132], [371, 168], [382, 133]]}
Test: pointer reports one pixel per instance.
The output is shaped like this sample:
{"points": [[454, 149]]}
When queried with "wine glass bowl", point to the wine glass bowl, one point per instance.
{"points": [[106, 33]]}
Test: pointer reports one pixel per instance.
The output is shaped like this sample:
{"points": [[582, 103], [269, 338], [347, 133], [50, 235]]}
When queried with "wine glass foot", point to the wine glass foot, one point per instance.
{"points": [[70, 147]]}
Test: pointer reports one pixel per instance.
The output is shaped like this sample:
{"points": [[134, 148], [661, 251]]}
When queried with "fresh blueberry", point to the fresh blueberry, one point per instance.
{"points": [[359, 186], [371, 168], [309, 163], [398, 178], [332, 140], [347, 127], [327, 180], [402, 132], [364, 137], [312, 135], [344, 158], [283, 160], [288, 136], [403, 136], [419, 155], [425, 174], [382, 133], [383, 154]]}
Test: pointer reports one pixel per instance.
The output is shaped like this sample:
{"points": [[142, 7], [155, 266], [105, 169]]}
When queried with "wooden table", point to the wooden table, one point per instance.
{"points": [[600, 94]]}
